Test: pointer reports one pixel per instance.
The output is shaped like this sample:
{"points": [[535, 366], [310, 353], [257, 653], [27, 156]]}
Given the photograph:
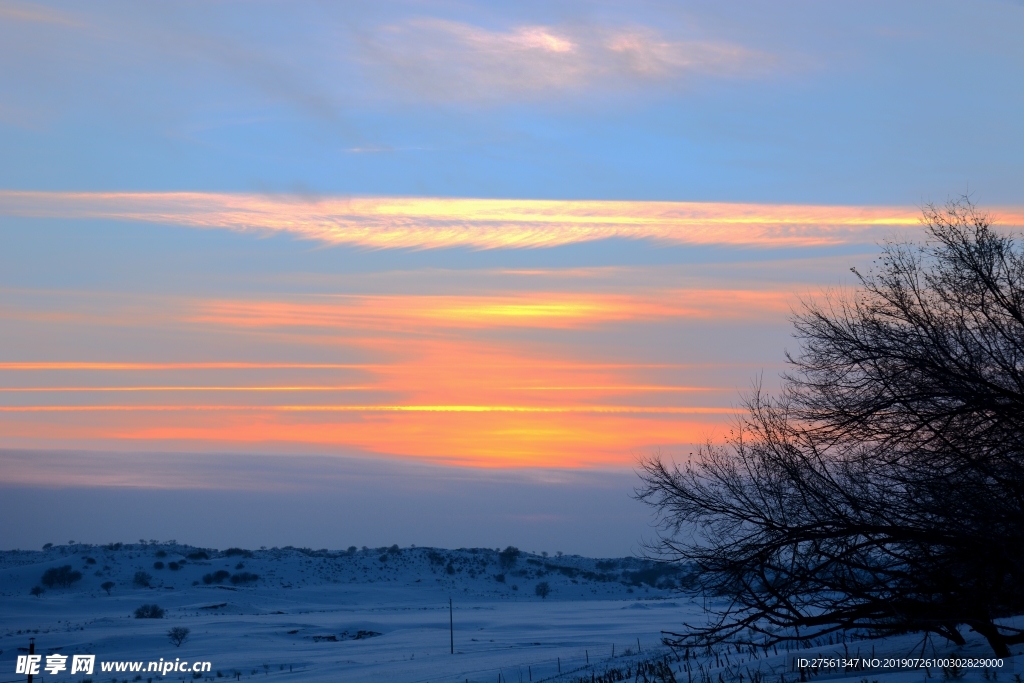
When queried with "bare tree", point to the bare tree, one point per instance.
{"points": [[883, 491], [178, 635]]}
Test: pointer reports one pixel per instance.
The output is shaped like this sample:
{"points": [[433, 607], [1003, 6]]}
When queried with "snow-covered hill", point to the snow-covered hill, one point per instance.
{"points": [[383, 615], [358, 614]]}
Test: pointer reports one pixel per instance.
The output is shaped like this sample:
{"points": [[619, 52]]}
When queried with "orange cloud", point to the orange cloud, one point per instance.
{"points": [[426, 223], [449, 400], [440, 377]]}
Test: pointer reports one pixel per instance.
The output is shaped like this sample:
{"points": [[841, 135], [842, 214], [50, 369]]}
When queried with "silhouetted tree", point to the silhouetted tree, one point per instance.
{"points": [[178, 635], [883, 490], [60, 576]]}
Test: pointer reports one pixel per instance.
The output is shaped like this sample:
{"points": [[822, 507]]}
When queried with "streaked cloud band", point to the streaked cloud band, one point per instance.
{"points": [[432, 223]]}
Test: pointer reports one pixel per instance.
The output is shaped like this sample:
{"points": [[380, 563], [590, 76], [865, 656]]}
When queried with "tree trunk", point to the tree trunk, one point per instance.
{"points": [[995, 639]]}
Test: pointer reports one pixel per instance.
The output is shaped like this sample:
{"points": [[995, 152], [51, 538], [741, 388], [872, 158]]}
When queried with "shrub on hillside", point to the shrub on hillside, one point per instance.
{"points": [[60, 576], [219, 576], [158, 565], [198, 555], [149, 612], [508, 556], [107, 585], [244, 577], [543, 589], [37, 591], [141, 580]]}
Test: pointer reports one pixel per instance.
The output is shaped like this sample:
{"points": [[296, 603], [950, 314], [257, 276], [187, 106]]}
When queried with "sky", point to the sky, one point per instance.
{"points": [[444, 273]]}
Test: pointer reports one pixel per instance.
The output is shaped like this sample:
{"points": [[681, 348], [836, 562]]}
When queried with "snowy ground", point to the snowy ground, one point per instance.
{"points": [[382, 615]]}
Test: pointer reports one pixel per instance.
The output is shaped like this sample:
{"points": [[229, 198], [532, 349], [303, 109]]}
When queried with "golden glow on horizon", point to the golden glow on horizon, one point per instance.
{"points": [[182, 388], [551, 310], [432, 222], [628, 410], [101, 366], [493, 378]]}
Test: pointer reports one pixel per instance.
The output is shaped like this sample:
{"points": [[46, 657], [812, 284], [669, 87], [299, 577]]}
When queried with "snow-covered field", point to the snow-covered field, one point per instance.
{"points": [[383, 615]]}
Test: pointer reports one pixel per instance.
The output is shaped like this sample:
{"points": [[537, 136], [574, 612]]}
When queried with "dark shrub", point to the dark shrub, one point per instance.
{"points": [[107, 585], [198, 555], [231, 552], [508, 556], [244, 577], [218, 576], [149, 612], [141, 580], [37, 591], [161, 553], [158, 565], [543, 589], [450, 568], [60, 576], [89, 560], [173, 566], [500, 578]]}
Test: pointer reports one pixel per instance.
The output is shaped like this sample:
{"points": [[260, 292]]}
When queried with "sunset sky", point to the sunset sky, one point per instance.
{"points": [[441, 272]]}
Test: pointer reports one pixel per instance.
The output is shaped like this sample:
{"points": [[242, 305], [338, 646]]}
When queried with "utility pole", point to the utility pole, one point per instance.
{"points": [[451, 626], [31, 651]]}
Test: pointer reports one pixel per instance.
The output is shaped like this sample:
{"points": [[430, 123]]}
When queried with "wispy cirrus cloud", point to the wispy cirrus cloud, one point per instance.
{"points": [[35, 13], [443, 60], [436, 222]]}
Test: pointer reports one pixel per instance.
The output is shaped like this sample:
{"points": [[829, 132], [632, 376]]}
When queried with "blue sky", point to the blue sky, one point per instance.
{"points": [[457, 265]]}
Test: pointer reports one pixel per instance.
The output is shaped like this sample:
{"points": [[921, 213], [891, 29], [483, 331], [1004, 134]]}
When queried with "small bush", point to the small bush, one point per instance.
{"points": [[60, 576], [161, 553], [149, 612], [219, 576], [37, 591], [239, 566], [243, 577], [178, 635], [543, 589], [141, 580], [107, 585], [500, 578], [450, 568], [89, 560], [231, 552], [198, 555], [158, 565], [508, 556], [173, 566]]}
